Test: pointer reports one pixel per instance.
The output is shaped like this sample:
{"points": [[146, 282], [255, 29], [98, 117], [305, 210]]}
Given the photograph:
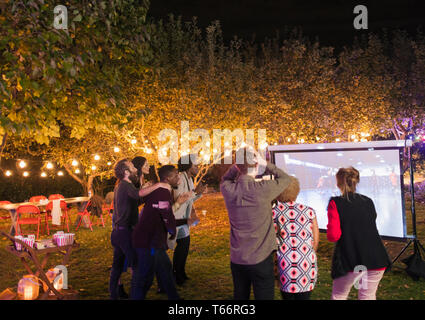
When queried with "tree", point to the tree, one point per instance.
{"points": [[75, 78]]}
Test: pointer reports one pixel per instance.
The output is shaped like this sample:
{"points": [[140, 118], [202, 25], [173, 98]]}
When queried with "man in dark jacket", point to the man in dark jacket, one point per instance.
{"points": [[126, 202], [150, 238]]}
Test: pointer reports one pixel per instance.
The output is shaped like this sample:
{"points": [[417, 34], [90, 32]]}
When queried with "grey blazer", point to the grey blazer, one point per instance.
{"points": [[248, 203]]}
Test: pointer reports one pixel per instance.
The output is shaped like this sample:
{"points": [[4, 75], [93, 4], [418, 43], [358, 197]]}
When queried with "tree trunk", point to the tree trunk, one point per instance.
{"points": [[3, 144]]}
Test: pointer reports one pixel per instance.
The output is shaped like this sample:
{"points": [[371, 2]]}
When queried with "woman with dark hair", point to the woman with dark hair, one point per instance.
{"points": [[142, 166], [352, 225]]}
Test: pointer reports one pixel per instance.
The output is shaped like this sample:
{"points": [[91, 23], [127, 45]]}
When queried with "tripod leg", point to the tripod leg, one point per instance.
{"points": [[402, 251]]}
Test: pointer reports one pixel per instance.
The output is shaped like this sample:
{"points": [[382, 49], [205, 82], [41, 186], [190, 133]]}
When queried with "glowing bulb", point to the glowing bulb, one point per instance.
{"points": [[133, 141], [317, 138], [43, 174], [93, 168], [49, 165], [8, 173], [207, 157], [60, 173], [356, 140], [77, 171], [337, 140], [96, 157], [109, 163], [74, 163], [353, 136], [226, 144], [26, 174], [148, 150], [116, 149], [22, 164], [208, 144]]}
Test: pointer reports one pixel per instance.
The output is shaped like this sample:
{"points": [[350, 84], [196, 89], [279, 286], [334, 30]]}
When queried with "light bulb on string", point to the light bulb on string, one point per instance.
{"points": [[22, 164], [133, 141], [43, 174], [116, 149], [60, 173], [96, 157], [8, 173], [26, 174], [49, 165], [109, 163], [77, 171], [93, 168], [74, 163]]}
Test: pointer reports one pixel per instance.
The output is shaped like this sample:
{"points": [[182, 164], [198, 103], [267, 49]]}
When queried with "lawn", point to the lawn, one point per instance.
{"points": [[208, 264]]}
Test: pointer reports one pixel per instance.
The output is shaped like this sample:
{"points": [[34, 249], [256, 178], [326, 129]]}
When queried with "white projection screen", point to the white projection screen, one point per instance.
{"points": [[378, 162]]}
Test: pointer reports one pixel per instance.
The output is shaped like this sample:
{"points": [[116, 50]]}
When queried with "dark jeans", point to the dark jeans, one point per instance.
{"points": [[149, 261], [123, 250], [260, 275], [296, 296], [179, 258]]}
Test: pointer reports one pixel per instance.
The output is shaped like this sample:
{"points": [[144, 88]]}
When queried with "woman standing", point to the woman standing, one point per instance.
{"points": [[298, 238], [352, 225]]}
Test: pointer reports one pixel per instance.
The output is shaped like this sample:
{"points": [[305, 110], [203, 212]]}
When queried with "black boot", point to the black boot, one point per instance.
{"points": [[122, 294]]}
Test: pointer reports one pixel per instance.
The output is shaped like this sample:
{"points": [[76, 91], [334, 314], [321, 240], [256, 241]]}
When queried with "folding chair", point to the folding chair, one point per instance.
{"points": [[8, 215], [64, 217], [108, 209], [37, 199], [82, 214], [35, 217], [56, 196]]}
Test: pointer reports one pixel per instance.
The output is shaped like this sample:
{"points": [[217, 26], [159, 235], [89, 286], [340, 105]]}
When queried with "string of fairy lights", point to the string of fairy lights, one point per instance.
{"points": [[48, 168]]}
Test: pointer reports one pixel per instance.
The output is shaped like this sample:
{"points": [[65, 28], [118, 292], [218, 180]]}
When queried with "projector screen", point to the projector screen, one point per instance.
{"points": [[379, 164]]}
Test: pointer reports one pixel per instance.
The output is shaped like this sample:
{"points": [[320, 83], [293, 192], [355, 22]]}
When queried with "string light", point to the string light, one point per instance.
{"points": [[77, 171], [8, 173], [116, 149], [49, 165], [93, 168], [26, 174], [96, 157], [148, 150], [337, 140], [353, 136], [60, 173], [74, 163], [109, 163], [133, 141], [43, 174], [22, 164]]}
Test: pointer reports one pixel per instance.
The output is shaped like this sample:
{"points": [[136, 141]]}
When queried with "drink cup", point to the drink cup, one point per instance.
{"points": [[18, 246]]}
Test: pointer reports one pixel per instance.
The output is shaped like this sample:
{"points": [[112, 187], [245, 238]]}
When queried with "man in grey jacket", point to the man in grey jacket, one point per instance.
{"points": [[252, 232]]}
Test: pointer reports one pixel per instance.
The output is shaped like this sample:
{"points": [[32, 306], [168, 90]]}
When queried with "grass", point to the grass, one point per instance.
{"points": [[208, 263]]}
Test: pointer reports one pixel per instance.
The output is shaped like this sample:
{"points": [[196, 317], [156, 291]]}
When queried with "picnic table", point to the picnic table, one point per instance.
{"points": [[29, 254], [11, 207]]}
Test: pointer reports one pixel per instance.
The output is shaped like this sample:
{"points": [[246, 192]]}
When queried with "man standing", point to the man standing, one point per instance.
{"points": [[188, 171], [252, 232], [150, 238], [126, 201]]}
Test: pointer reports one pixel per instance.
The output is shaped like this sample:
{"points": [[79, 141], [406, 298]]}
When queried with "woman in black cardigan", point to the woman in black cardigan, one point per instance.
{"points": [[352, 225]]}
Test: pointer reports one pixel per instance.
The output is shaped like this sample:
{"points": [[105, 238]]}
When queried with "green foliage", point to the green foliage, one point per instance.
{"points": [[73, 77]]}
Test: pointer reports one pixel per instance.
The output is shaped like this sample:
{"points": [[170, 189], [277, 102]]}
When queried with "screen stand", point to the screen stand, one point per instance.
{"points": [[417, 246]]}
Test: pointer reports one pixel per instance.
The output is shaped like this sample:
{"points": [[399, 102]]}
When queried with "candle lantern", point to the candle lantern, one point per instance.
{"points": [[28, 287]]}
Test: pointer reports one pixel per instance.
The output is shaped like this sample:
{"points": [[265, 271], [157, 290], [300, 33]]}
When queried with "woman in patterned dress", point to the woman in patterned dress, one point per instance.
{"points": [[297, 237]]}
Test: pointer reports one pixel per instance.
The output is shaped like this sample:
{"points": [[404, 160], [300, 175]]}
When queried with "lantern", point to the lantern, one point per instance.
{"points": [[28, 287]]}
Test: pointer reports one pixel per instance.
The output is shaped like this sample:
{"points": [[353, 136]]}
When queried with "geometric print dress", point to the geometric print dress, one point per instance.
{"points": [[296, 259]]}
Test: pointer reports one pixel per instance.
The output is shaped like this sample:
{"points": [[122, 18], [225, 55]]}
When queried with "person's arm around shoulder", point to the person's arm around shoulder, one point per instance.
{"points": [[145, 191]]}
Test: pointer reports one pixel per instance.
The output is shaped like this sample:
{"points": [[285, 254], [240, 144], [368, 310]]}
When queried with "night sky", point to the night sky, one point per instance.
{"points": [[330, 20]]}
